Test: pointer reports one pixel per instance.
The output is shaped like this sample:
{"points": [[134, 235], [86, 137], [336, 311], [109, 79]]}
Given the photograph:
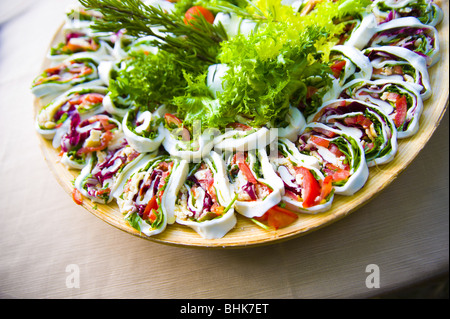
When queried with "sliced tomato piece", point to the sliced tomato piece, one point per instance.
{"points": [[278, 217], [240, 126], [311, 187], [401, 109], [337, 67], [335, 150], [77, 196], [320, 141], [105, 139], [325, 132], [172, 121], [151, 205], [93, 98], [327, 187], [340, 175], [310, 91], [240, 160], [359, 120]]}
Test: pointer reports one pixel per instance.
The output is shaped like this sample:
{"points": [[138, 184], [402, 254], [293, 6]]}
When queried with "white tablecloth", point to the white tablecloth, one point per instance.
{"points": [[44, 236]]}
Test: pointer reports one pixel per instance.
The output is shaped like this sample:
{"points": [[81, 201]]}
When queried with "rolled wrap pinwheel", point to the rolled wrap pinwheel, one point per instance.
{"points": [[341, 156], [242, 137], [306, 189], [402, 65], [143, 129], [147, 199], [411, 34], [346, 63], [187, 143], [77, 43], [289, 128], [362, 34], [204, 202], [426, 11], [398, 99], [105, 169], [253, 180], [71, 72], [53, 120], [87, 136], [364, 121]]}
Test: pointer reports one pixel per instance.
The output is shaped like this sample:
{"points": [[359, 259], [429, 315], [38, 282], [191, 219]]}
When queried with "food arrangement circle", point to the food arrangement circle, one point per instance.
{"points": [[230, 149]]}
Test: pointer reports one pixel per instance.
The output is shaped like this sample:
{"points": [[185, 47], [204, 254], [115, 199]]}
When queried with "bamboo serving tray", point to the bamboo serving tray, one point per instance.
{"points": [[246, 233]]}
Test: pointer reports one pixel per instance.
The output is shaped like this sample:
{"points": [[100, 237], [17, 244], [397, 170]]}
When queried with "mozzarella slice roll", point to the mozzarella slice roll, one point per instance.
{"points": [[411, 34], [341, 156], [78, 43], [292, 126], [364, 121], [204, 202], [396, 63], [64, 76], [306, 189], [189, 143], [253, 180], [398, 99], [104, 171], [346, 63], [362, 34], [52, 117], [426, 11], [147, 200], [143, 129], [244, 138], [87, 136]]}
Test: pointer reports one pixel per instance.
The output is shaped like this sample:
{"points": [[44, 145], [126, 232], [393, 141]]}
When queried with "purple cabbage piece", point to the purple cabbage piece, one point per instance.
{"points": [[249, 188]]}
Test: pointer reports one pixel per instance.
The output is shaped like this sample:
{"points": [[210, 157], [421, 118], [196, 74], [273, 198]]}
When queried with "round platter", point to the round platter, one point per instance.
{"points": [[246, 233]]}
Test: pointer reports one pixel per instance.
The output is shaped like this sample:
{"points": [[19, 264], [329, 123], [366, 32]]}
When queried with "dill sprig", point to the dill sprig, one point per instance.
{"points": [[198, 40]]}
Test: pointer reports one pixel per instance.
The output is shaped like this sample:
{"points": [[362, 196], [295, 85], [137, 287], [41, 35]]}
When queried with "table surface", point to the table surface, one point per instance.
{"points": [[45, 236]]}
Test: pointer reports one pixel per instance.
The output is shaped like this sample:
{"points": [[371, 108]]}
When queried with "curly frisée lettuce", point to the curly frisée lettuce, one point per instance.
{"points": [[266, 75], [148, 79]]}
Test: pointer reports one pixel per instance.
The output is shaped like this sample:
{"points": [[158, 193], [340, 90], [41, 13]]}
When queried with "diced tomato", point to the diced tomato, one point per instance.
{"points": [[148, 212], [77, 197], [240, 160], [401, 110], [104, 191], [337, 67], [320, 141], [217, 209], [311, 187], [193, 12], [397, 69]]}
